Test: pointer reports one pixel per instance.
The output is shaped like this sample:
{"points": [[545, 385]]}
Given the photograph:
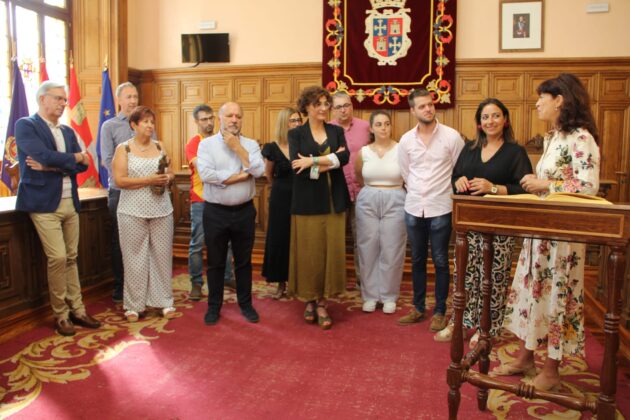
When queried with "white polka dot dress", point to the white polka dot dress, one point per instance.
{"points": [[145, 223]]}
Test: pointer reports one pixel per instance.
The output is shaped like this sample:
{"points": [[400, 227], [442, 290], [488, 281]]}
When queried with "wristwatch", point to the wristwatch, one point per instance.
{"points": [[494, 189]]}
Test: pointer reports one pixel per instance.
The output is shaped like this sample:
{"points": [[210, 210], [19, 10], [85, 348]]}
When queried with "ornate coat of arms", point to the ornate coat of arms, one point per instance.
{"points": [[378, 51], [10, 151], [387, 31]]}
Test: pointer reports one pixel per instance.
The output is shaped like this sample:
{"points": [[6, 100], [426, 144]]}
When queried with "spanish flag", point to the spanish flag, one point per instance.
{"points": [[79, 122]]}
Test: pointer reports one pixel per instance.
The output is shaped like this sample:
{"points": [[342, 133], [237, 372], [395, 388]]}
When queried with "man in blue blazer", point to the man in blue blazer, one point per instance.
{"points": [[50, 159]]}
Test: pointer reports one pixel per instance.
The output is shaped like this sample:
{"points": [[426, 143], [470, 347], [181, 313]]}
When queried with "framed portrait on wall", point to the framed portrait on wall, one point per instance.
{"points": [[521, 25]]}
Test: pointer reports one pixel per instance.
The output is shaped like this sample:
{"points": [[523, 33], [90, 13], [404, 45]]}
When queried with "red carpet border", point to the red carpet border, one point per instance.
{"points": [[281, 368]]}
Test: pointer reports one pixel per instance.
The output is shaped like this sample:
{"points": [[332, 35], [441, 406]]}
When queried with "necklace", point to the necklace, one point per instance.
{"points": [[142, 149]]}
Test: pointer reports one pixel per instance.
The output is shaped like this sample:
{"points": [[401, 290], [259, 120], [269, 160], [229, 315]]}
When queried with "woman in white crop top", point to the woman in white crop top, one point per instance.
{"points": [[381, 232]]}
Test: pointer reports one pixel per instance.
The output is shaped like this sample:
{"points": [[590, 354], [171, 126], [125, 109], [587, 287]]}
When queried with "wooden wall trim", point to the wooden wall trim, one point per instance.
{"points": [[212, 69], [598, 63], [263, 90]]}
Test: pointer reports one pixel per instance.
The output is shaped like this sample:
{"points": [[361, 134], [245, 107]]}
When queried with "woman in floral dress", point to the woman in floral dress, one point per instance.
{"points": [[545, 303]]}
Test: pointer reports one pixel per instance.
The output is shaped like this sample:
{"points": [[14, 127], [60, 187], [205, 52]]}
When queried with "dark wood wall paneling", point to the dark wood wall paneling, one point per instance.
{"points": [[263, 90], [23, 282]]}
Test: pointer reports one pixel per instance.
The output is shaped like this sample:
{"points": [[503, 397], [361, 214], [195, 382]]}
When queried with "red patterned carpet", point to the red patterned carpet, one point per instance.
{"points": [[366, 367]]}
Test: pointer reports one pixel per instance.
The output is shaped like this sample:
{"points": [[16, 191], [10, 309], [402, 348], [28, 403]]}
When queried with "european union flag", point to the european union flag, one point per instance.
{"points": [[19, 109], [108, 110]]}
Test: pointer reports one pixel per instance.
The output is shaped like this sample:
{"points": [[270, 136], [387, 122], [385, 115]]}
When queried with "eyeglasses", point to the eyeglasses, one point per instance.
{"points": [[344, 106], [58, 98], [321, 105], [206, 119], [295, 120]]}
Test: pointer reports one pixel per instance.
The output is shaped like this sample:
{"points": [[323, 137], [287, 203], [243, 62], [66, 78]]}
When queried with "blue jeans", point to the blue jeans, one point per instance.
{"points": [[437, 231], [195, 248]]}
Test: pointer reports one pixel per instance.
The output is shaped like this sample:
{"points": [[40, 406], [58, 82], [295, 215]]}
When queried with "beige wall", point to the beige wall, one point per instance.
{"points": [[258, 36]]}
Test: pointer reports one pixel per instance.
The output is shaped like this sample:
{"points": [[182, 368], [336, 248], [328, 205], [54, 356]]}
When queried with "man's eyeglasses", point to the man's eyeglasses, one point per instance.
{"points": [[344, 106], [295, 120], [58, 98]]}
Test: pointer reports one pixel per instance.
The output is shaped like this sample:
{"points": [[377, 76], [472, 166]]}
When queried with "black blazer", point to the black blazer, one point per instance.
{"points": [[312, 196], [40, 191]]}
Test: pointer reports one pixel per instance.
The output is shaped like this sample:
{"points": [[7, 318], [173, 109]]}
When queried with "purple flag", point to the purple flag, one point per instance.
{"points": [[19, 109]]}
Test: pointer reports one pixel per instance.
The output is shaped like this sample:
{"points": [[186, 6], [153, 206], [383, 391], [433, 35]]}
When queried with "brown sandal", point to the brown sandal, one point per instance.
{"points": [[282, 287], [553, 387], [324, 321], [310, 315], [506, 369]]}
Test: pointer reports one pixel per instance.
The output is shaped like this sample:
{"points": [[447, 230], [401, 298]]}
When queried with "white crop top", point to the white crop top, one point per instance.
{"points": [[381, 171]]}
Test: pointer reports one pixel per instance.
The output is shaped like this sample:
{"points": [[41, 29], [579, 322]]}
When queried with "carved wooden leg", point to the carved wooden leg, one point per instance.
{"points": [[484, 343], [616, 270], [455, 369]]}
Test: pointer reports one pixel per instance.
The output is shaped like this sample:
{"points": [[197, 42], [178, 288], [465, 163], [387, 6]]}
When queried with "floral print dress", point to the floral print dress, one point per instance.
{"points": [[546, 300]]}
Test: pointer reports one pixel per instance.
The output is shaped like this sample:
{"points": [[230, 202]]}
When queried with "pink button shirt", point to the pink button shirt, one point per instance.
{"points": [[357, 136], [427, 170]]}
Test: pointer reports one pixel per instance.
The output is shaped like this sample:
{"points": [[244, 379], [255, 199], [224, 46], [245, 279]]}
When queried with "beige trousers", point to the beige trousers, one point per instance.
{"points": [[59, 233]]}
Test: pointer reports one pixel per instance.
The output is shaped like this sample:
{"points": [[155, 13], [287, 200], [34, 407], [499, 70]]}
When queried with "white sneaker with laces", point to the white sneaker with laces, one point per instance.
{"points": [[389, 307], [369, 306]]}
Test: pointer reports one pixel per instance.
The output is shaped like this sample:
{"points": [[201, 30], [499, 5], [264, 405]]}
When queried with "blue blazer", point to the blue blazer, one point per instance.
{"points": [[40, 191]]}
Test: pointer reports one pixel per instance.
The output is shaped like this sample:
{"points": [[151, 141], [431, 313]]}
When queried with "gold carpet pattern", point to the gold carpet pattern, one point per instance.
{"points": [[58, 359]]}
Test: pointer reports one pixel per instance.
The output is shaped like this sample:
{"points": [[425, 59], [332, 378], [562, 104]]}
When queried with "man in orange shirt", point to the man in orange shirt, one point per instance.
{"points": [[204, 118]]}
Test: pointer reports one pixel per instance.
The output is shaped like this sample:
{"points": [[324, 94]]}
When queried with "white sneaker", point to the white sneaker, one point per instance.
{"points": [[168, 313], [132, 316], [369, 306], [389, 307]]}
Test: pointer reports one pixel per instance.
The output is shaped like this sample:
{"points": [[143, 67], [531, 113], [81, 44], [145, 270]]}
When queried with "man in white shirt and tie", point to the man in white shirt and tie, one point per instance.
{"points": [[228, 163], [427, 155]]}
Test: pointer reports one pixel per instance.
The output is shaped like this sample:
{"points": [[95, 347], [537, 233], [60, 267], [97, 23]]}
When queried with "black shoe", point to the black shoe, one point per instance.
{"points": [[230, 283], [211, 317], [250, 314]]}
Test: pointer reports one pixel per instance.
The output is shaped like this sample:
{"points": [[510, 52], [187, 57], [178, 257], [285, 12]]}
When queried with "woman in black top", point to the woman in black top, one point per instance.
{"points": [[317, 267], [279, 172], [492, 164]]}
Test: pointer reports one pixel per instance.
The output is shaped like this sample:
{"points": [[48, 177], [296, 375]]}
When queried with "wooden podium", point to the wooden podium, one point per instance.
{"points": [[601, 224]]}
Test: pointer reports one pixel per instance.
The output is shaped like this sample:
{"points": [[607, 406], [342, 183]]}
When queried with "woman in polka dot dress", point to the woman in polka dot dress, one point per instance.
{"points": [[145, 219]]}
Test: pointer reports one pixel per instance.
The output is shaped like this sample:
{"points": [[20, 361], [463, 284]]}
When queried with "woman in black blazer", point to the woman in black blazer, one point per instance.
{"points": [[320, 198]]}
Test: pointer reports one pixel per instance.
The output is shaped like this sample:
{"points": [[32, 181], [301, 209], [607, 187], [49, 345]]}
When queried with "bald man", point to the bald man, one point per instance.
{"points": [[228, 163]]}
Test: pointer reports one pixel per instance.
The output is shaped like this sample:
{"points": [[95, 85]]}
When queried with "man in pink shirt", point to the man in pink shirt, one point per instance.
{"points": [[357, 133], [427, 154]]}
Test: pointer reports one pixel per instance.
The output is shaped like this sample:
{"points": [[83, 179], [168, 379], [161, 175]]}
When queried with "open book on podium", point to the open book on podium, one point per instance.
{"points": [[564, 197]]}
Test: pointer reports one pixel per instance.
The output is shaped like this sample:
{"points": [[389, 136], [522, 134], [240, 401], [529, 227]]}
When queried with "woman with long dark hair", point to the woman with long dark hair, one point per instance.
{"points": [[546, 301], [494, 163]]}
